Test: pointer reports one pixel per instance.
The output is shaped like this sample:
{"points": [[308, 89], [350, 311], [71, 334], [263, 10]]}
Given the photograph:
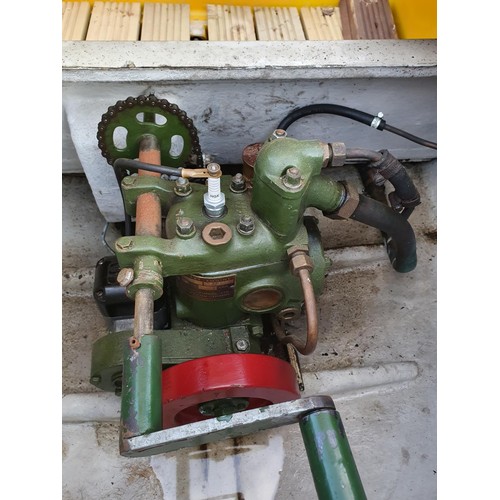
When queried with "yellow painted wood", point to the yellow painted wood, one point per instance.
{"points": [[75, 20], [165, 22], [278, 24], [119, 21]]}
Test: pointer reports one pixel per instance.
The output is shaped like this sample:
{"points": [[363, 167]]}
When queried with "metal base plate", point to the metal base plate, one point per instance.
{"points": [[216, 429]]}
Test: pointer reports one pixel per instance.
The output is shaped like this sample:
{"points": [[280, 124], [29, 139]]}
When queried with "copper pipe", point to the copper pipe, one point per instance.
{"points": [[148, 210], [311, 341]]}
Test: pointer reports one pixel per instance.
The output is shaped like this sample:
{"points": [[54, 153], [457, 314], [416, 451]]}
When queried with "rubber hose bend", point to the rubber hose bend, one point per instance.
{"points": [[398, 233]]}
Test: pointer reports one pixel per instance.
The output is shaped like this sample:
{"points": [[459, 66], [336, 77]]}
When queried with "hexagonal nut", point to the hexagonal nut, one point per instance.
{"points": [[242, 345], [214, 209], [238, 184], [350, 203], [182, 187], [185, 226], [246, 225], [339, 154], [277, 134], [300, 261]]}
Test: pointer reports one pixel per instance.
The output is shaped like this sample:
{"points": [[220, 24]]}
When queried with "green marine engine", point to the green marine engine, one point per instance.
{"points": [[213, 264]]}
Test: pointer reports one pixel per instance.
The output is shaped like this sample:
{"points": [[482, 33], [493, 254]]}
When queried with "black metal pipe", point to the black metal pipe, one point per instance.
{"points": [[128, 164]]}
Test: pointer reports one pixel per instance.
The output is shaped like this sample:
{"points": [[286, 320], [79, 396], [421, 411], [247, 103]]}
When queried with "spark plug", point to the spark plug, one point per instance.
{"points": [[214, 199]]}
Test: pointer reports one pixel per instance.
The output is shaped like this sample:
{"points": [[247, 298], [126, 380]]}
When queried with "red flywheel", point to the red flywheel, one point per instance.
{"points": [[206, 387]]}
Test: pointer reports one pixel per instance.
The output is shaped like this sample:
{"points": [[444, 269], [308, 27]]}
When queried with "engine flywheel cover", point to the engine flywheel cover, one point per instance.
{"points": [[259, 379], [136, 117]]}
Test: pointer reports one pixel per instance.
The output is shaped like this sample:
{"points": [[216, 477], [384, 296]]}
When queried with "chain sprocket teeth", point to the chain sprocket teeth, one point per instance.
{"points": [[151, 100]]}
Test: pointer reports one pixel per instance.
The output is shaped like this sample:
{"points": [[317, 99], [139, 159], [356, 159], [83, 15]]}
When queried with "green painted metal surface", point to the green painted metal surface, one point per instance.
{"points": [[141, 406], [332, 464], [280, 206], [178, 344]]}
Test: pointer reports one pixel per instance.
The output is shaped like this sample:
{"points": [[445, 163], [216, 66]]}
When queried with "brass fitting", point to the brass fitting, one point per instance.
{"points": [[299, 259], [338, 154], [350, 203]]}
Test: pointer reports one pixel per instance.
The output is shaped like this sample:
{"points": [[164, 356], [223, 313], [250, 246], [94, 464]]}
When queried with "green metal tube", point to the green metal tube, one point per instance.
{"points": [[141, 408], [332, 464], [324, 193]]}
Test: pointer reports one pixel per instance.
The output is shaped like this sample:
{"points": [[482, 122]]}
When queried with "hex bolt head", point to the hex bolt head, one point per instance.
{"points": [[185, 226], [246, 225], [129, 181], [242, 345], [278, 134], [238, 184], [292, 178], [182, 187], [125, 276]]}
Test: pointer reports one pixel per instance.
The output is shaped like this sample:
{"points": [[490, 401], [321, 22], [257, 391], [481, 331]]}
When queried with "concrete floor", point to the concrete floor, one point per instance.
{"points": [[376, 357]]}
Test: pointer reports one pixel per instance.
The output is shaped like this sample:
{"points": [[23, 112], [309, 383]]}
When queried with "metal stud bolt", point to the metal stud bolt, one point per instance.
{"points": [[242, 345]]}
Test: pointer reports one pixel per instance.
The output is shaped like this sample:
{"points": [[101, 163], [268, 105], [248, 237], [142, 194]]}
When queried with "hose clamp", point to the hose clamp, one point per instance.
{"points": [[377, 120]]}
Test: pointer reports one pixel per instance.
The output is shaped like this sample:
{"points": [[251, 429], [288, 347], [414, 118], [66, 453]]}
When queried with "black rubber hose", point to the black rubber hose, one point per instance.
{"points": [[353, 114], [397, 231], [128, 164], [410, 137], [331, 109], [392, 169]]}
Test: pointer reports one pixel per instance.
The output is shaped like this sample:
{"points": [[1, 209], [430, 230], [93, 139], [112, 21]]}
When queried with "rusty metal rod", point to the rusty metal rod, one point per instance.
{"points": [[311, 341], [143, 312], [148, 212]]}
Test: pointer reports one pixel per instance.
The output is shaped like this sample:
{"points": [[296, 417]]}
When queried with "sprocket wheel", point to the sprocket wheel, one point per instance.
{"points": [[214, 386], [122, 127]]}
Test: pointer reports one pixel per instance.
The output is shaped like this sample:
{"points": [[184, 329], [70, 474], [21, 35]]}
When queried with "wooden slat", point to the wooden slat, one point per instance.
{"points": [[115, 21], [278, 24], [367, 19], [321, 23], [386, 13], [165, 22], [75, 20], [227, 22], [345, 20]]}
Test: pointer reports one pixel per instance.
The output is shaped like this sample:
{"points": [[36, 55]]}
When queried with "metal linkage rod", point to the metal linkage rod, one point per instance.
{"points": [[141, 406]]}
